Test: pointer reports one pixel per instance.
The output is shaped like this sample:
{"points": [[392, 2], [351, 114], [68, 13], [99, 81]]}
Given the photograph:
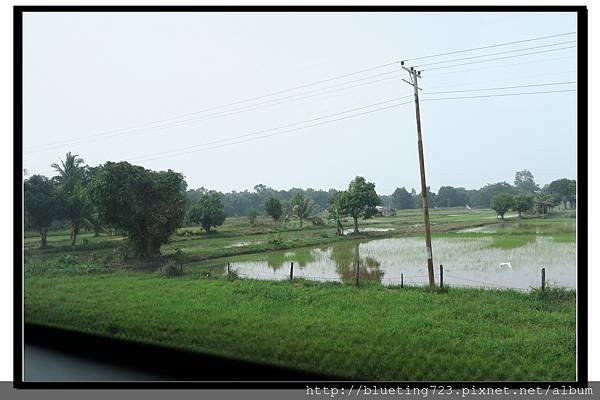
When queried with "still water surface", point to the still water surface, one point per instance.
{"points": [[467, 262]]}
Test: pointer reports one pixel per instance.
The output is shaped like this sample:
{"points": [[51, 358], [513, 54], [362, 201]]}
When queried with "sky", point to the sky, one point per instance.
{"points": [[170, 90]]}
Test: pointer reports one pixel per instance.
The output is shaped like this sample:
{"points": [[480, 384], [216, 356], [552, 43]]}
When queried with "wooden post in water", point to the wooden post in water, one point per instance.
{"points": [[291, 270], [401, 280], [227, 268], [543, 278], [441, 276]]}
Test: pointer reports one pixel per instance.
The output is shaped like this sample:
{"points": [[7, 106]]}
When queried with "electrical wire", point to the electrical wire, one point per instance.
{"points": [[223, 113], [278, 133], [49, 145], [494, 54], [500, 95], [498, 58], [511, 65], [502, 88], [284, 126], [490, 46], [501, 80], [179, 152]]}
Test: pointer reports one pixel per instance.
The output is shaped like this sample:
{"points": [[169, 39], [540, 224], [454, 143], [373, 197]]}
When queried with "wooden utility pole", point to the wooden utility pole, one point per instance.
{"points": [[414, 75]]}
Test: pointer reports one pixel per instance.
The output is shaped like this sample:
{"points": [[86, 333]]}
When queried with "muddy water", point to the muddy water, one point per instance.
{"points": [[467, 262]]}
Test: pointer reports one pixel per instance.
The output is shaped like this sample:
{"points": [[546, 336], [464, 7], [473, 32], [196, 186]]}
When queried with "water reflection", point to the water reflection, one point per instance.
{"points": [[470, 261], [347, 258]]}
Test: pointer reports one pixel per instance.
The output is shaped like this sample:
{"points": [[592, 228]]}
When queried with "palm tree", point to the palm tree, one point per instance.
{"points": [[70, 174], [69, 171], [302, 207]]}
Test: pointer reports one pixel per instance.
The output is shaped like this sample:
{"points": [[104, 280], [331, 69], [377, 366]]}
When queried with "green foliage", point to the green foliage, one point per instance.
{"points": [[317, 221], [360, 200], [148, 205], [208, 212], [171, 268], [563, 190], [483, 196], [233, 275], [523, 203], [252, 215], [449, 196], [42, 204], [401, 199], [501, 203], [302, 207], [335, 211], [273, 208], [525, 183], [70, 172]]}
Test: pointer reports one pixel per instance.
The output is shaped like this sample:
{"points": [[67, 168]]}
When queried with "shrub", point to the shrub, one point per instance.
{"points": [[232, 275], [317, 221], [171, 269]]}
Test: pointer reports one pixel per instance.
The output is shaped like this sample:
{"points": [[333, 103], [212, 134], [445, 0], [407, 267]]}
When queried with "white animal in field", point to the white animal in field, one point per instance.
{"points": [[505, 265]]}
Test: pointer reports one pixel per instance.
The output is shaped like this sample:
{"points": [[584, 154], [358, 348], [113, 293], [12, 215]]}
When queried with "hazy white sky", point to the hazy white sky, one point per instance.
{"points": [[89, 76]]}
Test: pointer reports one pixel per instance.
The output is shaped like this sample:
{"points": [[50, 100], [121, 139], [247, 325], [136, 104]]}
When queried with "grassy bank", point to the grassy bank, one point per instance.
{"points": [[372, 332]]}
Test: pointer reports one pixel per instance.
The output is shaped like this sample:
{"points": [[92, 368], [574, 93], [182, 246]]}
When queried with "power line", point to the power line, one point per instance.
{"points": [[295, 88], [493, 54], [502, 80], [511, 65], [278, 127], [279, 133], [501, 88], [490, 46], [178, 152], [500, 95], [236, 111], [499, 58]]}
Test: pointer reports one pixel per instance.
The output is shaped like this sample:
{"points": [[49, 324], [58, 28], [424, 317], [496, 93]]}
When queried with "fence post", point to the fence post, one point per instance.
{"points": [[227, 268], [401, 280], [441, 276], [357, 273], [291, 270], [543, 278]]}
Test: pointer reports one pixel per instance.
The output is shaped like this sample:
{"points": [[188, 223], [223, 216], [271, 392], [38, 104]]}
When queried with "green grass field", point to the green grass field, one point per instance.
{"points": [[373, 332]]}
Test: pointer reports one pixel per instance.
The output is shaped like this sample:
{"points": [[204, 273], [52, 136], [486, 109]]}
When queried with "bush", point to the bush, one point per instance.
{"points": [[317, 221], [276, 241], [553, 294], [67, 259], [233, 275], [171, 269]]}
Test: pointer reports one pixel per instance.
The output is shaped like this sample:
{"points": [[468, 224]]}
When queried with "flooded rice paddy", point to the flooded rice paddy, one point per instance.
{"points": [[468, 261]]}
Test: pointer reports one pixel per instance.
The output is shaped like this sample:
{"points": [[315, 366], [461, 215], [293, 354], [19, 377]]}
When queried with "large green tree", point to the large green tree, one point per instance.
{"points": [[525, 183], [273, 208], [42, 204], [563, 189], [208, 212], [401, 199], [449, 196], [148, 205], [501, 203], [360, 200], [523, 203], [301, 207], [483, 196]]}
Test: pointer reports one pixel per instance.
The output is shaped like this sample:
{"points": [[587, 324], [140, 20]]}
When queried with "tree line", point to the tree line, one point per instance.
{"points": [[148, 206]]}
